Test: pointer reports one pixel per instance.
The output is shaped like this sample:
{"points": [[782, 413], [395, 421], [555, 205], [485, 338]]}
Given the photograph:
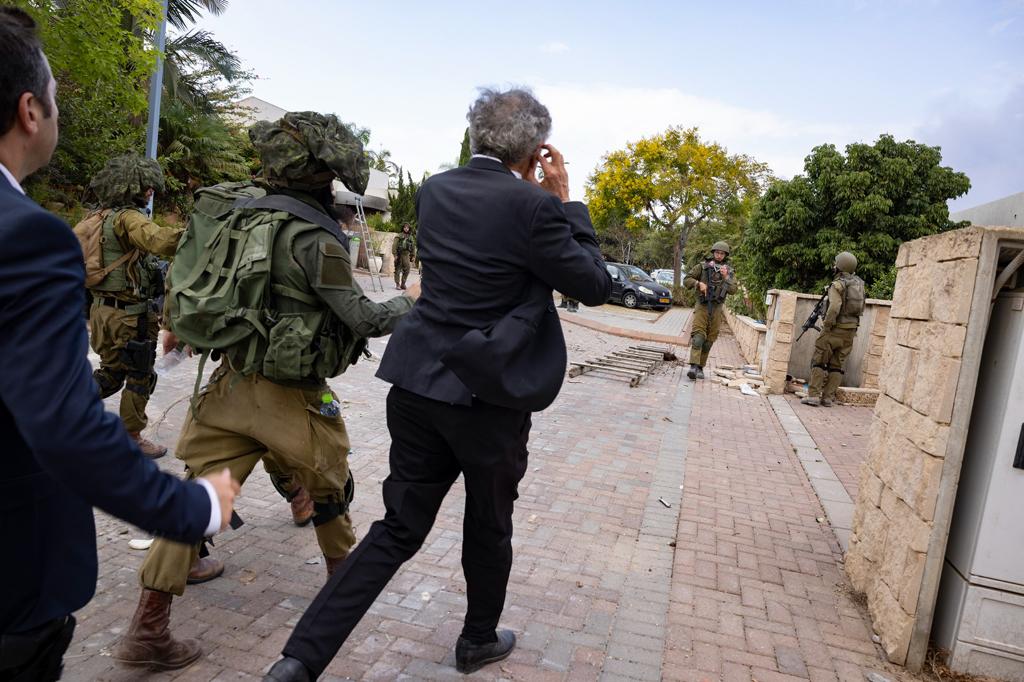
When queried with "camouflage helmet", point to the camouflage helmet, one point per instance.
{"points": [[721, 246], [125, 179], [845, 262], [305, 151]]}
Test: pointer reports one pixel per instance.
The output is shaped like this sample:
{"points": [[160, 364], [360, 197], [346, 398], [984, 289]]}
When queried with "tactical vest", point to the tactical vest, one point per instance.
{"points": [[853, 300], [405, 244], [237, 289], [133, 276], [713, 277]]}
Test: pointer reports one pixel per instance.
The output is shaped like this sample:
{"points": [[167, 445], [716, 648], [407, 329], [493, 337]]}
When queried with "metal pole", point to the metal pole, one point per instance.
{"points": [[156, 86]]}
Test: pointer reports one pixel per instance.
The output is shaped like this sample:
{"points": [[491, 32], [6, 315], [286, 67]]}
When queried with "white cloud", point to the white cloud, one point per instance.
{"points": [[554, 47], [1001, 26], [590, 121]]}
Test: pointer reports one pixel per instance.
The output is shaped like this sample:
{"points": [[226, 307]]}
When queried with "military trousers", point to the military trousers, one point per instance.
{"points": [[831, 349], [704, 332], [126, 355], [403, 265], [238, 421]]}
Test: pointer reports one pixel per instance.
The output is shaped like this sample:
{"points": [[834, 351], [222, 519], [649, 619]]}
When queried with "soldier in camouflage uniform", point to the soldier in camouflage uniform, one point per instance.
{"points": [[404, 251], [838, 327], [714, 279], [241, 418], [123, 321]]}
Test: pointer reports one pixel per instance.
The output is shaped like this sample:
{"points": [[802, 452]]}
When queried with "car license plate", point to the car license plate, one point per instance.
{"points": [[664, 300]]}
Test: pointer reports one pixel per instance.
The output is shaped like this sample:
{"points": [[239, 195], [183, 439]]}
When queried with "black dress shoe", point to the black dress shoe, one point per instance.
{"points": [[288, 670], [470, 657]]}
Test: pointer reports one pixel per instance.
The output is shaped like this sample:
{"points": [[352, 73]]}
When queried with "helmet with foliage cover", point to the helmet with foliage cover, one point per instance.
{"points": [[125, 179], [305, 151]]}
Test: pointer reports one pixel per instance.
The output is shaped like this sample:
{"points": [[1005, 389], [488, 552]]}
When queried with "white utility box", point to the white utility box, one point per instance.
{"points": [[979, 613]]}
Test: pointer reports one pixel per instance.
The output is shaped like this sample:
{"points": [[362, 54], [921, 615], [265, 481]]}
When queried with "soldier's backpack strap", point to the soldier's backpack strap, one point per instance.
{"points": [[282, 202]]}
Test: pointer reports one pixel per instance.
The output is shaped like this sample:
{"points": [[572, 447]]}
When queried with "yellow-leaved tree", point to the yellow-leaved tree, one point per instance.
{"points": [[672, 181]]}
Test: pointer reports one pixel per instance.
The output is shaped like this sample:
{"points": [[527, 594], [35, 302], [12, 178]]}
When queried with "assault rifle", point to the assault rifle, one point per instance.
{"points": [[819, 309]]}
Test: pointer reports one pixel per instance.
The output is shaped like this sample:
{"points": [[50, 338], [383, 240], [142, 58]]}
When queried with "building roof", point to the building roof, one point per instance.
{"points": [[257, 109], [1005, 212]]}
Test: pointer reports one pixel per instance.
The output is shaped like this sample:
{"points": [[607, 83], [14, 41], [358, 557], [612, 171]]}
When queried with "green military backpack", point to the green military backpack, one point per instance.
{"points": [[220, 277]]}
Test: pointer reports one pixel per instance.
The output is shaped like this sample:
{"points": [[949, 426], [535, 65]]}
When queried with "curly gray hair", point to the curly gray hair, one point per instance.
{"points": [[508, 125]]}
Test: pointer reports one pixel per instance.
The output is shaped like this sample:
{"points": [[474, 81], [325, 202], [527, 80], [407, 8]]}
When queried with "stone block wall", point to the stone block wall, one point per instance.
{"points": [[779, 339], [750, 335], [918, 372]]}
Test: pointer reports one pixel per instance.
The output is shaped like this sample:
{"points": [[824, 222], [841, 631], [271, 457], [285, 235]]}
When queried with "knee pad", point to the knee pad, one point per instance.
{"points": [[109, 381], [698, 340], [141, 383], [281, 485], [325, 512]]}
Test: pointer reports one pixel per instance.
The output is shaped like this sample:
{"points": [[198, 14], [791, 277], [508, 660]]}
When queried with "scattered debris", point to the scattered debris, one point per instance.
{"points": [[246, 576], [672, 543], [579, 583], [875, 638], [876, 677], [533, 517], [745, 389], [820, 519], [140, 543], [662, 500], [314, 561], [425, 596]]}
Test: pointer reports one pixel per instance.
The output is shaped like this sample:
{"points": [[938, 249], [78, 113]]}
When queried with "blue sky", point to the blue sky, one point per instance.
{"points": [[771, 80]]}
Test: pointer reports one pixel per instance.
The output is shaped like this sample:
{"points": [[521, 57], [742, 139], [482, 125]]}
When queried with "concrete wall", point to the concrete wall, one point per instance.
{"points": [[908, 482], [749, 334]]}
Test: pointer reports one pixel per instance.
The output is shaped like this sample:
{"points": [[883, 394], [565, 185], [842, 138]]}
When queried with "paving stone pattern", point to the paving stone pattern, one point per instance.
{"points": [[841, 434], [751, 589]]}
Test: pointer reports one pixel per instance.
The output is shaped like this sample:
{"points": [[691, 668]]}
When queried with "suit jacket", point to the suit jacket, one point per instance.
{"points": [[60, 453], [485, 237]]}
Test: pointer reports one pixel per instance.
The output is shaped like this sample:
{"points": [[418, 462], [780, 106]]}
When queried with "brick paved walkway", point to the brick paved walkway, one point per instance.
{"points": [[751, 589], [841, 434]]}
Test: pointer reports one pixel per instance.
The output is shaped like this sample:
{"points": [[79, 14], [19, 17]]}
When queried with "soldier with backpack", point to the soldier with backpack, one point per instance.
{"points": [[120, 245], [262, 279], [842, 317]]}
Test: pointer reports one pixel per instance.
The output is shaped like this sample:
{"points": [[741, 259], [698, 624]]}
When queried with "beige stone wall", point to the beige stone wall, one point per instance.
{"points": [[917, 366], [750, 336], [779, 339], [783, 354]]}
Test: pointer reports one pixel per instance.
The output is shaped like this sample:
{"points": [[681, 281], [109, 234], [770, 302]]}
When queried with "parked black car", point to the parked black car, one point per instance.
{"points": [[634, 288]]}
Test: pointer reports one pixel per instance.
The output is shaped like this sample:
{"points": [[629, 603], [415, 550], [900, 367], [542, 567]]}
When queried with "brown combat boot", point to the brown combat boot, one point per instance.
{"points": [[204, 570], [148, 447], [148, 642], [332, 564], [302, 507]]}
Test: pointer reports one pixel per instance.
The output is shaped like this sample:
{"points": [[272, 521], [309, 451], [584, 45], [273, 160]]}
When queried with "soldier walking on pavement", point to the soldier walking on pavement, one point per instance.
{"points": [[123, 323], [839, 326], [298, 317], [404, 251], [714, 280]]}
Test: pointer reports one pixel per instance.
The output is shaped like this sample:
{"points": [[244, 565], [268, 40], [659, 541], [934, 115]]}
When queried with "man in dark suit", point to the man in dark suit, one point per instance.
{"points": [[493, 239], [60, 453]]}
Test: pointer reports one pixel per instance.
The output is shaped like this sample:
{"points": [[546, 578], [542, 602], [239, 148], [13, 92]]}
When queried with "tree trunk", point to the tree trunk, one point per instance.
{"points": [[676, 257]]}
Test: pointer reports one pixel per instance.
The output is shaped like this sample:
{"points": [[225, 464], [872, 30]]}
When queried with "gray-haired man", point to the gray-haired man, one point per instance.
{"points": [[493, 239]]}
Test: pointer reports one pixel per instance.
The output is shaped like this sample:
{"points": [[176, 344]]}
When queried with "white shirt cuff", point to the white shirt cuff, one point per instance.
{"points": [[215, 519]]}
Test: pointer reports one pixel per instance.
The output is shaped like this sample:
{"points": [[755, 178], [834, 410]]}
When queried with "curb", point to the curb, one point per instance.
{"points": [[834, 499], [680, 340]]}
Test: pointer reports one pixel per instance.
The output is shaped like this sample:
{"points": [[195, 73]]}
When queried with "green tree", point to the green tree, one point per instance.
{"points": [[403, 201], [868, 201], [102, 68], [464, 152], [673, 182]]}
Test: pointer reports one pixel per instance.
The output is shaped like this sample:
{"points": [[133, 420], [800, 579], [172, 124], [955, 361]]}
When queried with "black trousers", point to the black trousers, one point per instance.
{"points": [[36, 655], [431, 444]]}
